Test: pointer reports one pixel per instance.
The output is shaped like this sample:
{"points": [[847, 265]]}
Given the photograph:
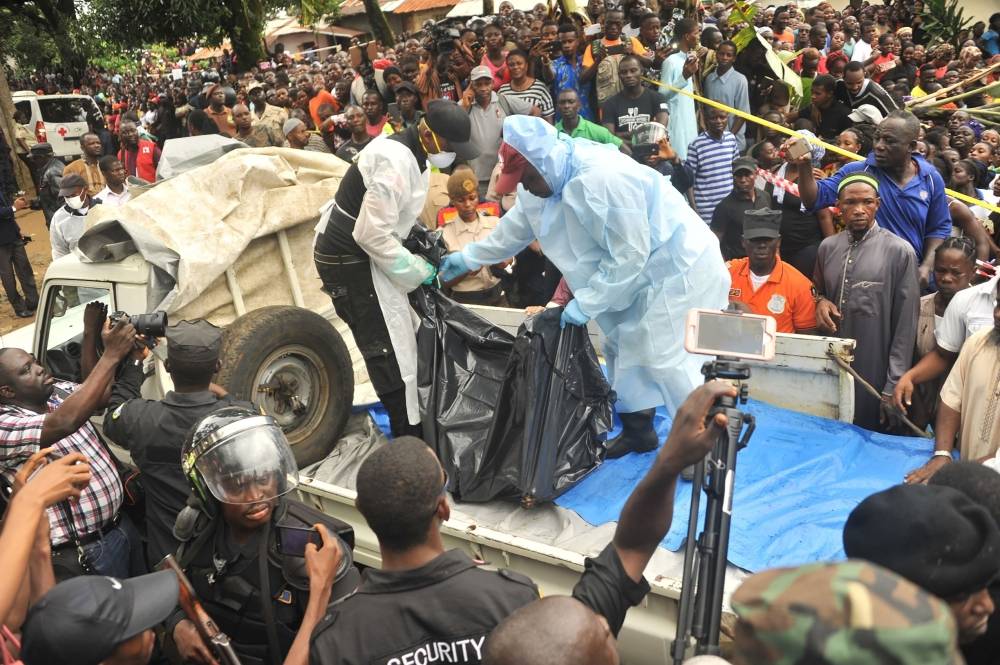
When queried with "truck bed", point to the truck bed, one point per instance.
{"points": [[547, 543]]}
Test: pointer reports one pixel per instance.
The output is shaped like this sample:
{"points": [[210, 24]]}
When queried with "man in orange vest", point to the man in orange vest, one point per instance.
{"points": [[138, 156], [764, 284]]}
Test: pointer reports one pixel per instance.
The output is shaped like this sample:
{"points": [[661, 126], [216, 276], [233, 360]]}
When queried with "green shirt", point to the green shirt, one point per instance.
{"points": [[591, 131]]}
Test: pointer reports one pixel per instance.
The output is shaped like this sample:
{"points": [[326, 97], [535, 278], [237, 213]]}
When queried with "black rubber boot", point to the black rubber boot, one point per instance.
{"points": [[395, 406], [638, 435]]}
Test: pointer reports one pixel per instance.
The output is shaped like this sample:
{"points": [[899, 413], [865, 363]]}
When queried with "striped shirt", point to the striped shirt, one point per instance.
{"points": [[710, 163], [20, 437], [537, 94]]}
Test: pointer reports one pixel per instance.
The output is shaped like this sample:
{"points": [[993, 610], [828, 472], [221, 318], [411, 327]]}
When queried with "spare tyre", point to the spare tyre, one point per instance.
{"points": [[293, 364]]}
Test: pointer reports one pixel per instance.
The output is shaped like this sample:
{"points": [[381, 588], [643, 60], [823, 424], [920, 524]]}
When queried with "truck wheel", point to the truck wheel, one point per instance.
{"points": [[293, 364]]}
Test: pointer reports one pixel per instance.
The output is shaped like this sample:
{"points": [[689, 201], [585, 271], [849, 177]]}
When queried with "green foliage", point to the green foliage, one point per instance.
{"points": [[944, 20]]}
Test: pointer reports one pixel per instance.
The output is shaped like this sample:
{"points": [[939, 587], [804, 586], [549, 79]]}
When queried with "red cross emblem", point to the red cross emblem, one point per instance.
{"points": [[61, 132]]}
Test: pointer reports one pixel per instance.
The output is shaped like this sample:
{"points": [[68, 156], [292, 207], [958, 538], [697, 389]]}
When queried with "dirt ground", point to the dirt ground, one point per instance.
{"points": [[32, 223]]}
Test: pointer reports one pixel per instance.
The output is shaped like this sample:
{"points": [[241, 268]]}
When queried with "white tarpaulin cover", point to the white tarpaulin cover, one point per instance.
{"points": [[224, 215], [191, 228]]}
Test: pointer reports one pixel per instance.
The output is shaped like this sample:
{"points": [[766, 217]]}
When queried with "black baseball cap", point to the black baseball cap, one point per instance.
{"points": [[762, 223], [194, 342], [409, 87], [82, 620], [450, 121], [744, 164], [71, 183]]}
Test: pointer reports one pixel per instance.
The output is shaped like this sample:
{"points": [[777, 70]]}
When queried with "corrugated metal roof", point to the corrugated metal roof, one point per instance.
{"points": [[475, 7], [410, 6], [355, 7]]}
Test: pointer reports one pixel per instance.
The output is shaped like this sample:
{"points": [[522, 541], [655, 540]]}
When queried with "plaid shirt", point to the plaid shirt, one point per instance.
{"points": [[20, 433]]}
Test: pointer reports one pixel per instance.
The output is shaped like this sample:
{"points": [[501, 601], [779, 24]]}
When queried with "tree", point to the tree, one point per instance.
{"points": [[55, 25], [134, 23], [380, 26]]}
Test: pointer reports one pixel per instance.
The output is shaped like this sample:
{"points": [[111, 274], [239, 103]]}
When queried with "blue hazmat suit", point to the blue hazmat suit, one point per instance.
{"points": [[635, 255]]}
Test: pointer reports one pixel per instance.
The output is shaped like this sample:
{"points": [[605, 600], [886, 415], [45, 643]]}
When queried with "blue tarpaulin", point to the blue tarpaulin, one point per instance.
{"points": [[796, 483]]}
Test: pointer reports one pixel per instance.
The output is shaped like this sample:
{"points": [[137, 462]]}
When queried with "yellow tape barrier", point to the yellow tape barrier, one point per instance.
{"points": [[790, 132]]}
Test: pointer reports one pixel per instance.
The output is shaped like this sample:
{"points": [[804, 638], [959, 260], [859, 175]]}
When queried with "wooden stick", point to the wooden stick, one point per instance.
{"points": [[871, 389], [932, 97], [986, 89]]}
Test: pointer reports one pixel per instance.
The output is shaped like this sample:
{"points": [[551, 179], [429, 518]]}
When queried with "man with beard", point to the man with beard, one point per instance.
{"points": [[867, 284], [86, 166]]}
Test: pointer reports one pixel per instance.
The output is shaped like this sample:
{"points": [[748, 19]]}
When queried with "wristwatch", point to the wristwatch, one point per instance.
{"points": [[942, 453]]}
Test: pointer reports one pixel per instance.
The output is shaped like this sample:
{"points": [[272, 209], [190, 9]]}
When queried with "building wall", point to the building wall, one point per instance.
{"points": [[301, 41]]}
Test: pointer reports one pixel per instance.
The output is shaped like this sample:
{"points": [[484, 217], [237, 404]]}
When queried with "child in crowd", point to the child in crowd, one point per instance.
{"points": [[465, 222]]}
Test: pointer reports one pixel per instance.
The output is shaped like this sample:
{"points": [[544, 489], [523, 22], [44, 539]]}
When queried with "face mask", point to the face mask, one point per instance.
{"points": [[440, 159], [75, 202]]}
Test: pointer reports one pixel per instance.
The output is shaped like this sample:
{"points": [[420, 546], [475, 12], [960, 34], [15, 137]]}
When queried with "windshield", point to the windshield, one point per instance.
{"points": [[65, 109]]}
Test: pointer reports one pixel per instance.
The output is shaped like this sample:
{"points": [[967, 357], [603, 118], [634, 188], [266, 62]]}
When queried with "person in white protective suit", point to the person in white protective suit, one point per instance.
{"points": [[636, 257], [360, 257]]}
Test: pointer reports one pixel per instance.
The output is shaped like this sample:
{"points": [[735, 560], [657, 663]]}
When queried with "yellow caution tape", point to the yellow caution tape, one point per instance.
{"points": [[790, 132]]}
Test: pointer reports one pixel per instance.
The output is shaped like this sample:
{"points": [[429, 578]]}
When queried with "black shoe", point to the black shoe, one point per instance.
{"points": [[638, 435]]}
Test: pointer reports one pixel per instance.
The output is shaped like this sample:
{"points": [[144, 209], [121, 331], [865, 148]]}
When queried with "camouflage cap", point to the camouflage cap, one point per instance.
{"points": [[849, 613]]}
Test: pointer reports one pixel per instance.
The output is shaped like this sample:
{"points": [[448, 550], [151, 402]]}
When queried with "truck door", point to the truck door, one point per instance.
{"points": [[61, 342]]}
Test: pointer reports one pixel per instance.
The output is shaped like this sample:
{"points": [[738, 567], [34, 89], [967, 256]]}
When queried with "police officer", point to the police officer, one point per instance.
{"points": [[360, 257], [425, 604], [239, 467], [154, 430]]}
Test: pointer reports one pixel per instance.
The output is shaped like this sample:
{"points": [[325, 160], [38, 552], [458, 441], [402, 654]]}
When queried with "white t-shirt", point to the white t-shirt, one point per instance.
{"points": [[862, 51], [109, 198], [757, 281], [969, 311]]}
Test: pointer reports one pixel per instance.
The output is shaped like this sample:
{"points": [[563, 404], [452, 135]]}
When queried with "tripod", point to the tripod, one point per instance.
{"points": [[705, 556]]}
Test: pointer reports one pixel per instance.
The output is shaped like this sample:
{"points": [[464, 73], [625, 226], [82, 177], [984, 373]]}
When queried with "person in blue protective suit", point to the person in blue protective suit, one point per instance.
{"points": [[636, 257]]}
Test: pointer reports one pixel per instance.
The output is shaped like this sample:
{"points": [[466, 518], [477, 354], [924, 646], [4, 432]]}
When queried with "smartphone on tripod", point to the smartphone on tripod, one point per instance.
{"points": [[732, 337]]}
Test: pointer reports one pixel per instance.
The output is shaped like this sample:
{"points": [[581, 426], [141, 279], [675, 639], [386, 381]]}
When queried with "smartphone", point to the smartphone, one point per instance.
{"points": [[593, 29], [555, 48], [393, 113], [292, 540], [731, 334], [617, 49], [797, 149]]}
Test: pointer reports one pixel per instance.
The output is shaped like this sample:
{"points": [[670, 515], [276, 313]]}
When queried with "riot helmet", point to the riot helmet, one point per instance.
{"points": [[238, 456], [646, 139]]}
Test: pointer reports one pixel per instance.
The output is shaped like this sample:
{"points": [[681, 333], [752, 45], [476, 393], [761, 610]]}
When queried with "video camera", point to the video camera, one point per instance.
{"points": [[442, 37], [153, 324]]}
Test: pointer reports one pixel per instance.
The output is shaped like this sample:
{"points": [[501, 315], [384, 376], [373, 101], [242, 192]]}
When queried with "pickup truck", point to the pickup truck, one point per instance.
{"points": [[290, 354]]}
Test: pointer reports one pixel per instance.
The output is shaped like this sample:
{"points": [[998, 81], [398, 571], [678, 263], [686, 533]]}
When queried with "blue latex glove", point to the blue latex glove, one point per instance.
{"points": [[573, 315], [453, 266]]}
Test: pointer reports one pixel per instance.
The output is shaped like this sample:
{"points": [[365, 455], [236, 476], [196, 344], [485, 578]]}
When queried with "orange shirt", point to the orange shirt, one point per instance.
{"points": [[786, 295], [321, 97], [588, 55]]}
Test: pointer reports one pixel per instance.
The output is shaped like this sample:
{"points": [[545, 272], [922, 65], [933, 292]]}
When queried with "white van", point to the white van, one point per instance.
{"points": [[59, 120]]}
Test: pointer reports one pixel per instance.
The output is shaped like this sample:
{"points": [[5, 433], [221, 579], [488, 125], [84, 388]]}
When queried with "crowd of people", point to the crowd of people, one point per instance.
{"points": [[569, 161]]}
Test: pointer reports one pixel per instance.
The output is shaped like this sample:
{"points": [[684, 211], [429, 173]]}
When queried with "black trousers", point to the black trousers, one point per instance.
{"points": [[14, 261], [352, 290]]}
